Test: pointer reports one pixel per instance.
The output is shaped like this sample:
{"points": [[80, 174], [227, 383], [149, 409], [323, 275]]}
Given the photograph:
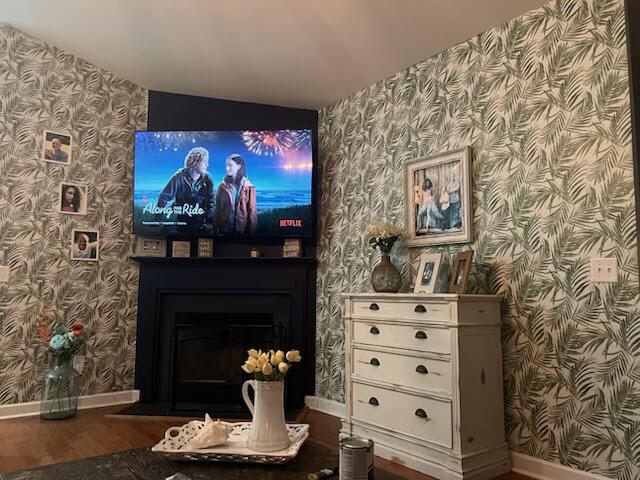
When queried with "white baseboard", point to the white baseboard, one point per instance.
{"points": [[544, 470], [28, 409], [325, 405]]}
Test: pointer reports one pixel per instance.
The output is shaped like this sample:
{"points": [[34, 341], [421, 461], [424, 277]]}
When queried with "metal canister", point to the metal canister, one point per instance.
{"points": [[356, 459]]}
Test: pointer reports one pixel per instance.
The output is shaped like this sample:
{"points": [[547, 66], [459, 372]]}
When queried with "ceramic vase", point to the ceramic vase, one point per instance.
{"points": [[268, 431], [60, 389], [385, 276]]}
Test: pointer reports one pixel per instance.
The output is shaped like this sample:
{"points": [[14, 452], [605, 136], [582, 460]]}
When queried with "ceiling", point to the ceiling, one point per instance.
{"points": [[297, 53]]}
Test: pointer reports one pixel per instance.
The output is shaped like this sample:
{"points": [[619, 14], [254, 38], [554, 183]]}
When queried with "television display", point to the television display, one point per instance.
{"points": [[236, 183]]}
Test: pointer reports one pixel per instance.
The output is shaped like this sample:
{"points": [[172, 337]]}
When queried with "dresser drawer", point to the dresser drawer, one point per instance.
{"points": [[417, 337], [426, 418], [397, 310], [414, 372]]}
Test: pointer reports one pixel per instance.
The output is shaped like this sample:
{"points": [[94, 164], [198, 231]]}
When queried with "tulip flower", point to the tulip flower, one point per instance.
{"points": [[267, 369], [294, 356], [283, 367], [253, 353]]}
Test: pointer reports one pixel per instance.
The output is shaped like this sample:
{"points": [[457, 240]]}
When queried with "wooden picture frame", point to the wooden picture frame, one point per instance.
{"points": [[428, 271], [437, 197], [151, 246], [205, 247], [460, 272], [181, 248], [292, 247]]}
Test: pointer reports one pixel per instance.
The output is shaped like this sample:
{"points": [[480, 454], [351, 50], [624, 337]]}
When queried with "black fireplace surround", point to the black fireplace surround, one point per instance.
{"points": [[197, 318]]}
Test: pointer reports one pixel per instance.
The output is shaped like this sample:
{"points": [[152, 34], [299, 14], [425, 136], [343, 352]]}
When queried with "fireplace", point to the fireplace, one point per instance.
{"points": [[197, 319]]}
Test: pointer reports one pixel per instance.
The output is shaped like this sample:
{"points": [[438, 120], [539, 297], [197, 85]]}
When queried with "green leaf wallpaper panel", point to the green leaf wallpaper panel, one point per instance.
{"points": [[42, 87], [544, 102]]}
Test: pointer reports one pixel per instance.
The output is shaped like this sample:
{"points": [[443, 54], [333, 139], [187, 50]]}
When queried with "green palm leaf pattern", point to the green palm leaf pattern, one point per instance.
{"points": [[544, 101], [44, 88]]}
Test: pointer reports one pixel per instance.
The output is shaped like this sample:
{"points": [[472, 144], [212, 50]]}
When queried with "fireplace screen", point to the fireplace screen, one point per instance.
{"points": [[208, 352]]}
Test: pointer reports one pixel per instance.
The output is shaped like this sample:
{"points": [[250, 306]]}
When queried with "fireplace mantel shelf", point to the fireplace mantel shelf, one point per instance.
{"points": [[285, 261]]}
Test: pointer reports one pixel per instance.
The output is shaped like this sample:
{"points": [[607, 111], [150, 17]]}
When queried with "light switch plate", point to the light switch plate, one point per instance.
{"points": [[4, 274], [604, 270]]}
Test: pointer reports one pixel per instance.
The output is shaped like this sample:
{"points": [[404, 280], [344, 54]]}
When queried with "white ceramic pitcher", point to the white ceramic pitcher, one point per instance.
{"points": [[268, 429]]}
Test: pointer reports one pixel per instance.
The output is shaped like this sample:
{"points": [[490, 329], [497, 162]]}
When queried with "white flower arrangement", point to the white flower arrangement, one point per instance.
{"points": [[383, 235], [270, 366]]}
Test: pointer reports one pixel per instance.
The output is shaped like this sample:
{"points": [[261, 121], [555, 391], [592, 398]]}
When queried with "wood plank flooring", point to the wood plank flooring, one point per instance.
{"points": [[32, 442]]}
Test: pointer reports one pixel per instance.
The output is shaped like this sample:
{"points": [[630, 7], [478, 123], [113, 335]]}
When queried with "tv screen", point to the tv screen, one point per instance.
{"points": [[236, 183]]}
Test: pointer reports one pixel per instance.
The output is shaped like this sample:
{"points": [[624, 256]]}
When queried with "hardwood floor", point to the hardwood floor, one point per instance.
{"points": [[32, 442]]}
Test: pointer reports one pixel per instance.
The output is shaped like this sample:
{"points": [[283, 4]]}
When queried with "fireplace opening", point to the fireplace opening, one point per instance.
{"points": [[208, 350]]}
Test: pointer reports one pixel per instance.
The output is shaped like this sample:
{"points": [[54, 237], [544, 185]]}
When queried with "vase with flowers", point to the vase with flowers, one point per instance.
{"points": [[385, 276], [268, 431], [60, 386]]}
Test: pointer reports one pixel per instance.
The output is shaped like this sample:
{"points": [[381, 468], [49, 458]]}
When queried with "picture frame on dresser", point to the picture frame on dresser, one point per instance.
{"points": [[459, 279], [437, 197], [428, 271]]}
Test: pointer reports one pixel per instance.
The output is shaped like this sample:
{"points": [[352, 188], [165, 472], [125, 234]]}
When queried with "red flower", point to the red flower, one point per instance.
{"points": [[77, 326]]}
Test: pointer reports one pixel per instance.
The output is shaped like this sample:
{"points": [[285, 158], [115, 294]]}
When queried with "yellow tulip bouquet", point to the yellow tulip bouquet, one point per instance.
{"points": [[270, 366]]}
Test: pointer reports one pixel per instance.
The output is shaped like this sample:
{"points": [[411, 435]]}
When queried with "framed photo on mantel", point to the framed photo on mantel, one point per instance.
{"points": [[181, 248]]}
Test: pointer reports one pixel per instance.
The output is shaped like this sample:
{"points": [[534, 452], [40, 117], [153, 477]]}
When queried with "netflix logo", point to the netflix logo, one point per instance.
{"points": [[290, 223]]}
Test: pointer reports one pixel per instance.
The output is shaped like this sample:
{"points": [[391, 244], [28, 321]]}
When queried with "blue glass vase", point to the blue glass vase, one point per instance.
{"points": [[60, 390]]}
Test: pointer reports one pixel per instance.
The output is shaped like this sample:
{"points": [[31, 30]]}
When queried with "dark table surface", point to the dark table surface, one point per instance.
{"points": [[142, 464]]}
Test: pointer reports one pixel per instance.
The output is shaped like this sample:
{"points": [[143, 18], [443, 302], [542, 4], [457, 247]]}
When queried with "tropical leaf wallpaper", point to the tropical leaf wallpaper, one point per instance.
{"points": [[544, 102], [42, 88]]}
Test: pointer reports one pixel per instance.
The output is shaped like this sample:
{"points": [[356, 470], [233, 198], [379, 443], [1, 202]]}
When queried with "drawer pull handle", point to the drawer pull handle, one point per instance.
{"points": [[421, 413], [420, 334], [374, 331], [375, 362], [420, 309], [374, 306], [374, 401], [422, 369]]}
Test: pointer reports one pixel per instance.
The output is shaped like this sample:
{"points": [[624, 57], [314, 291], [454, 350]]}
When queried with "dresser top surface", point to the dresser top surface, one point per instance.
{"points": [[422, 297]]}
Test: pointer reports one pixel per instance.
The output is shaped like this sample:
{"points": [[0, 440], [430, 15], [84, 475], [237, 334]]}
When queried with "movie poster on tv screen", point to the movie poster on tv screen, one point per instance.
{"points": [[239, 183]]}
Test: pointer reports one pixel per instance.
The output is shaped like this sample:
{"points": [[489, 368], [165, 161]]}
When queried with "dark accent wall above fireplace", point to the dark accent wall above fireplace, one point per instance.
{"points": [[197, 317]]}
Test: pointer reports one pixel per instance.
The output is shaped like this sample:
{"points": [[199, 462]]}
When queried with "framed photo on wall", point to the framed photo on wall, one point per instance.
{"points": [[428, 273], [460, 272], [437, 197], [56, 148], [85, 245], [72, 198]]}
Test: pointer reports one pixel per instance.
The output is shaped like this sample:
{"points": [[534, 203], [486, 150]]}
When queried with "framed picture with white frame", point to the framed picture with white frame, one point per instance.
{"points": [[428, 273], [437, 196]]}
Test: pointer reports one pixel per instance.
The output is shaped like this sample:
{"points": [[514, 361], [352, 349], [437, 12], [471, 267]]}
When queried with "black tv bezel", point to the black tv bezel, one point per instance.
{"points": [[266, 239]]}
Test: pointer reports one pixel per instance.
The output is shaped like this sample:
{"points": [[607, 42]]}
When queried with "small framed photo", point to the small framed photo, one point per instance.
{"points": [[460, 272], [181, 248], [85, 245], [72, 199], [428, 272], [437, 199], [205, 247], [292, 247], [151, 247], [56, 148]]}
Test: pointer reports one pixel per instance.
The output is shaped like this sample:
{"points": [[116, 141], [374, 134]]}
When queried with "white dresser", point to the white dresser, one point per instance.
{"points": [[424, 381]]}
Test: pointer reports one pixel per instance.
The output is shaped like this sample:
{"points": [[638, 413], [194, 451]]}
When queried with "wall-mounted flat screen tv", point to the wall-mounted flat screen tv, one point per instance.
{"points": [[224, 183]]}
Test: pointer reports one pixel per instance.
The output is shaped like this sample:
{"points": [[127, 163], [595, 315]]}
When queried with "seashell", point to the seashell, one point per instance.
{"points": [[211, 434]]}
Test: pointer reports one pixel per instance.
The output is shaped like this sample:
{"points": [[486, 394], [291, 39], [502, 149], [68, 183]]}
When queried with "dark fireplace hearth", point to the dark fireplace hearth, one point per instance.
{"points": [[198, 317]]}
